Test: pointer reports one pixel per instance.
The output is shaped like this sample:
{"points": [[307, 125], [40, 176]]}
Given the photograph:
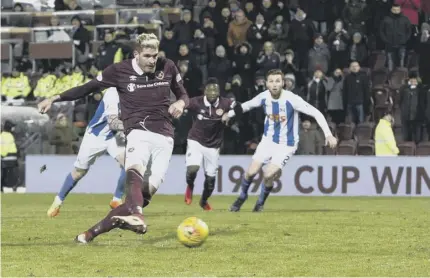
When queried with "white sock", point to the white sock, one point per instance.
{"points": [[116, 199], [57, 200]]}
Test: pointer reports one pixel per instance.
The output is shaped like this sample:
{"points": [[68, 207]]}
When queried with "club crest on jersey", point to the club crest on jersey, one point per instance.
{"points": [[219, 112], [133, 78], [159, 75], [131, 87]]}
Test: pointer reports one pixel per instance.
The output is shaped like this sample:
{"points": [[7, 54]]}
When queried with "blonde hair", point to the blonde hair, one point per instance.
{"points": [[146, 40]]}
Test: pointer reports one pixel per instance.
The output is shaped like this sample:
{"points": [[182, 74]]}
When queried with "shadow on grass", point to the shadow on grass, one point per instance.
{"points": [[118, 242]]}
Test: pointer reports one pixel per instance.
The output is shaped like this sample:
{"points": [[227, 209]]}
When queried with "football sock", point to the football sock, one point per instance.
{"points": [[134, 198], [244, 188], [68, 185], [209, 186], [119, 191], [107, 223], [264, 193], [191, 177]]}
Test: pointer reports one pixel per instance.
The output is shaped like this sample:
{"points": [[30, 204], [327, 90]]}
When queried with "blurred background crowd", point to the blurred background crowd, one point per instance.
{"points": [[355, 60]]}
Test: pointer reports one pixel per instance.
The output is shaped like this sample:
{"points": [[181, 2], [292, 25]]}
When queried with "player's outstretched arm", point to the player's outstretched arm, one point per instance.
{"points": [[302, 106], [245, 107], [104, 80]]}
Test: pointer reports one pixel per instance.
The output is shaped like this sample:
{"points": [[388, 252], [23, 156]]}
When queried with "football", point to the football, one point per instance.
{"points": [[192, 232]]}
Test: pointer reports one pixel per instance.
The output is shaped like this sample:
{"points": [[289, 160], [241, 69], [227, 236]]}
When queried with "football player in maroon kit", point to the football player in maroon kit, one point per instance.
{"points": [[205, 139], [144, 84]]}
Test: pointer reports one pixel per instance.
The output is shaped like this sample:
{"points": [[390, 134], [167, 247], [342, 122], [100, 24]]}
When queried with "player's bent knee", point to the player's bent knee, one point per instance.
{"points": [[193, 169], [78, 173], [140, 168]]}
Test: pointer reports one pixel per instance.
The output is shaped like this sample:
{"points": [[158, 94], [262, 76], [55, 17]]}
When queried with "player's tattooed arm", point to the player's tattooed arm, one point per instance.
{"points": [[115, 123]]}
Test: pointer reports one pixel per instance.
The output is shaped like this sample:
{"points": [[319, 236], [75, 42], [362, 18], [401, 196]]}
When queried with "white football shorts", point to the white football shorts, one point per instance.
{"points": [[196, 153], [93, 146], [272, 153], [146, 147]]}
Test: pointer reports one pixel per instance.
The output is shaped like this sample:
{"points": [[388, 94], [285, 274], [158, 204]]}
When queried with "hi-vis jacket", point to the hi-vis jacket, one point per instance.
{"points": [[385, 143]]}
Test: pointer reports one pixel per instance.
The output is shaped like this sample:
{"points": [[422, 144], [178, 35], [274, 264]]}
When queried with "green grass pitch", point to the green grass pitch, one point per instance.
{"points": [[294, 236]]}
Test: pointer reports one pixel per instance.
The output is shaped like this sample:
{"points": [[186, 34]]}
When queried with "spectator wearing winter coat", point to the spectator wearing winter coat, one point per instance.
{"points": [[278, 32], [184, 54], [290, 84], [199, 53], [424, 53], [210, 33], [412, 107], [250, 10], [169, 45], [269, 10], [358, 50], [356, 94], [335, 100], [268, 59], [212, 10], [257, 34], [317, 93], [237, 29], [395, 32], [302, 32], [379, 10], [184, 29], [220, 68], [319, 56], [222, 24], [243, 64], [289, 65], [311, 140], [338, 41], [192, 78], [320, 13], [355, 15]]}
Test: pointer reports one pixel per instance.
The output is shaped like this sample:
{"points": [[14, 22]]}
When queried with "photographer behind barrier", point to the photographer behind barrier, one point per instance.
{"points": [[385, 142]]}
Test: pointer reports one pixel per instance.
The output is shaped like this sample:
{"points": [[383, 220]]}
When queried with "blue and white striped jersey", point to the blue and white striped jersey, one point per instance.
{"points": [[282, 116], [108, 106]]}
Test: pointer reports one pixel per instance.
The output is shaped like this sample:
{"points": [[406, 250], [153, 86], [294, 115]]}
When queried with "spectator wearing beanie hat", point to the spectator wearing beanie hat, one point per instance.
{"points": [[319, 56]]}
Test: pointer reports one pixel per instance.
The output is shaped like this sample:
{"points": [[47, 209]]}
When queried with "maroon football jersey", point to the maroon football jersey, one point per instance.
{"points": [[207, 128], [144, 97]]}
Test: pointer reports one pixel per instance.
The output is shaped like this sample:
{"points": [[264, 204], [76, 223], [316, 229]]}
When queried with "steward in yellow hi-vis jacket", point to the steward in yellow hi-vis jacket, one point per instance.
{"points": [[385, 142], [16, 86], [63, 83], [9, 158], [45, 86]]}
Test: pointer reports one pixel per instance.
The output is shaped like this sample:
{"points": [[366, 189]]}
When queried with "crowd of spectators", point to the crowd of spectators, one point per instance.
{"points": [[355, 60]]}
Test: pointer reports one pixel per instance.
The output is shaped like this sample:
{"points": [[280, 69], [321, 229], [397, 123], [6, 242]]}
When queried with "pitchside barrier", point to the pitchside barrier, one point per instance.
{"points": [[302, 176]]}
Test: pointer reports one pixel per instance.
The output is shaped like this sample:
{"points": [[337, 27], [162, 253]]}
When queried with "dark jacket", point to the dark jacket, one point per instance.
{"points": [[413, 103], [395, 30], [356, 90]]}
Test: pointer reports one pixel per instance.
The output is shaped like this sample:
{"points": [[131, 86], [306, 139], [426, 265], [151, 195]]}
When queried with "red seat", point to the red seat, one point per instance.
{"points": [[364, 131], [347, 147], [407, 148], [379, 77], [366, 147], [397, 78], [377, 60], [345, 131], [423, 149]]}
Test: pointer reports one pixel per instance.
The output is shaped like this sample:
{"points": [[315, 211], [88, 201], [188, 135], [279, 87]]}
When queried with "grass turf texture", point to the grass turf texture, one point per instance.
{"points": [[295, 236]]}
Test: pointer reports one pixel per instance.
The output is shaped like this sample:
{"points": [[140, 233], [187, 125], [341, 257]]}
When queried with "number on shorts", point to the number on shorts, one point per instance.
{"points": [[284, 162]]}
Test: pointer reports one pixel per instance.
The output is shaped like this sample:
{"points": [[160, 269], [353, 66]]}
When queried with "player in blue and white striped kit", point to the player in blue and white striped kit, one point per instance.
{"points": [[281, 134], [100, 137]]}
